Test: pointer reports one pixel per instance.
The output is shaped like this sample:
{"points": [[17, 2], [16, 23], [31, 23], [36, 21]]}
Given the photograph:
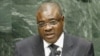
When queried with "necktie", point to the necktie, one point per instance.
{"points": [[53, 49]]}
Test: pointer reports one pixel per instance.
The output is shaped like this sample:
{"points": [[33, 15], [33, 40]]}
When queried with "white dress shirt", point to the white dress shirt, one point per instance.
{"points": [[59, 43]]}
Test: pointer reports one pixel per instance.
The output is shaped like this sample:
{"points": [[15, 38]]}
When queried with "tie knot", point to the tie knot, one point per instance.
{"points": [[52, 46], [53, 49]]}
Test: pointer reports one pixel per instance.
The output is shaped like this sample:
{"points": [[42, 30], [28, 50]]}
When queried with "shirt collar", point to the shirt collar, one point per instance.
{"points": [[59, 42], [46, 44]]}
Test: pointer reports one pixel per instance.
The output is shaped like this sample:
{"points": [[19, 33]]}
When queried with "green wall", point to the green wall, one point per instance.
{"points": [[17, 21]]}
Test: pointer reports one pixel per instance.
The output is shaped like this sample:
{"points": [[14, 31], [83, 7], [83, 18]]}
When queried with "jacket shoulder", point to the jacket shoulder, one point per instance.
{"points": [[81, 42], [27, 41]]}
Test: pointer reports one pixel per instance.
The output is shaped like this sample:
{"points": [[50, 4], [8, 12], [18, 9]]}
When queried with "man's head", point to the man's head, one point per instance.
{"points": [[50, 21]]}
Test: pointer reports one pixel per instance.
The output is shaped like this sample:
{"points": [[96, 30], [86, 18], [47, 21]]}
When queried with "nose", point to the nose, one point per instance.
{"points": [[48, 28]]}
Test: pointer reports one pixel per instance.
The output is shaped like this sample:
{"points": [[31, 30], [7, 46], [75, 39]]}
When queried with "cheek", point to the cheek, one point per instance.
{"points": [[40, 31], [59, 29]]}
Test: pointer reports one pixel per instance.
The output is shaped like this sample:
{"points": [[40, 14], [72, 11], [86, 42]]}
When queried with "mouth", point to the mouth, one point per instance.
{"points": [[49, 35]]}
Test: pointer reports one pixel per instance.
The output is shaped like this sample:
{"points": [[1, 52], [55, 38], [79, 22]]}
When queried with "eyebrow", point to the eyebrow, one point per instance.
{"points": [[39, 21], [52, 19], [48, 19]]}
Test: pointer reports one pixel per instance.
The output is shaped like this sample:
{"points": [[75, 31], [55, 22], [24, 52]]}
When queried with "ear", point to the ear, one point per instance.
{"points": [[62, 18]]}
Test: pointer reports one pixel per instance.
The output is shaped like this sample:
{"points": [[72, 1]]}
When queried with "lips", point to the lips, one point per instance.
{"points": [[49, 35]]}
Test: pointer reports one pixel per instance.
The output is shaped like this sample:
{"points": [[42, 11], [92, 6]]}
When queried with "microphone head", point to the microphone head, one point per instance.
{"points": [[57, 52]]}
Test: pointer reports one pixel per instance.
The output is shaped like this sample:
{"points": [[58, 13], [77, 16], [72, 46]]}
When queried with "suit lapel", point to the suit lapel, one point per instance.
{"points": [[66, 51], [38, 50]]}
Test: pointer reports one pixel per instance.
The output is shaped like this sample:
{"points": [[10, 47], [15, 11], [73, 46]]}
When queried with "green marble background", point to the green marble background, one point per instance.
{"points": [[17, 21]]}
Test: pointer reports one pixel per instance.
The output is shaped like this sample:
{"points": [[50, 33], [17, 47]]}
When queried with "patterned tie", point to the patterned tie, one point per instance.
{"points": [[53, 49]]}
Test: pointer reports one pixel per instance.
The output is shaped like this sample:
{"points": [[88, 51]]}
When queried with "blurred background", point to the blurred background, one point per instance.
{"points": [[17, 21]]}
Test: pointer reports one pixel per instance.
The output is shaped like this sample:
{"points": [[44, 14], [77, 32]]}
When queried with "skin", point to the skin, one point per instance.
{"points": [[46, 13]]}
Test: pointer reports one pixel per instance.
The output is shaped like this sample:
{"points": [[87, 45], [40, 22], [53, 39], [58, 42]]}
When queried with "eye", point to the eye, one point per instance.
{"points": [[41, 24], [53, 22]]}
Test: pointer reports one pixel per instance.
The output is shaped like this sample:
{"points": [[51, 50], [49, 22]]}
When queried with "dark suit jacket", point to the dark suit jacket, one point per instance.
{"points": [[73, 46]]}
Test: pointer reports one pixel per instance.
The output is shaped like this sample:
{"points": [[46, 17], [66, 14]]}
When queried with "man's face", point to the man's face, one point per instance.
{"points": [[50, 25]]}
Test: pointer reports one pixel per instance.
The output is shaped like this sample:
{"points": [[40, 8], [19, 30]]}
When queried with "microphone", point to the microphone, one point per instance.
{"points": [[58, 53]]}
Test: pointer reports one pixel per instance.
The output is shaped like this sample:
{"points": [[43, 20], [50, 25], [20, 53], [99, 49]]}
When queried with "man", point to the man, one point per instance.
{"points": [[52, 40]]}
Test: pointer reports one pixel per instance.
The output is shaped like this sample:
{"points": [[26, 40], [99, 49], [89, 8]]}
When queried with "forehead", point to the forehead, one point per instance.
{"points": [[48, 13]]}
